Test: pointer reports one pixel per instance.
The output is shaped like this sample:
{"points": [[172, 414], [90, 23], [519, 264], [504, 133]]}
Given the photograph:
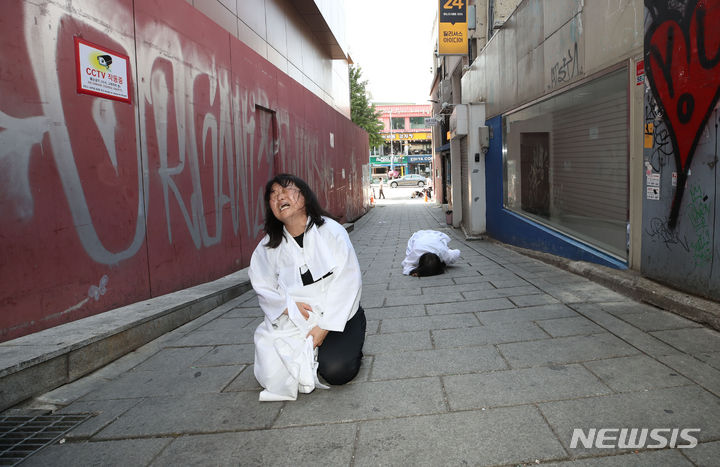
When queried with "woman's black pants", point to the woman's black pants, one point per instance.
{"points": [[340, 354]]}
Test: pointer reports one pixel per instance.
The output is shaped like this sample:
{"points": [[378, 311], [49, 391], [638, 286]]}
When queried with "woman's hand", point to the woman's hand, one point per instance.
{"points": [[318, 336], [304, 309]]}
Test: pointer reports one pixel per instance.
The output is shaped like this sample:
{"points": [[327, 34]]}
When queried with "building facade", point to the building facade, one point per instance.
{"points": [[137, 138], [601, 125], [407, 147]]}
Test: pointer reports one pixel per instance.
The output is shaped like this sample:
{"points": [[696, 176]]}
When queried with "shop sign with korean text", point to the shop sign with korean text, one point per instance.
{"points": [[101, 72], [452, 27]]}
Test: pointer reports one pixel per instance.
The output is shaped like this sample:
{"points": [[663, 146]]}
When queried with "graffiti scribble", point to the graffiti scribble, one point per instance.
{"points": [[659, 231], [683, 66]]}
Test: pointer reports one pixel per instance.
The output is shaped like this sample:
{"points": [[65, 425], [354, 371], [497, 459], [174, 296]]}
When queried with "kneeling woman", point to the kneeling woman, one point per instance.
{"points": [[308, 281]]}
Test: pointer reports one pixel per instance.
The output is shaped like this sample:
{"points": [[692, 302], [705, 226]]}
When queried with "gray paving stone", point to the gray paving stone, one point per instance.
{"points": [[366, 401], [634, 336], [120, 452], [424, 299], [488, 335], [400, 341], [241, 312], [421, 323], [490, 437], [658, 320], [224, 336], [532, 300], [701, 373], [681, 407], [245, 381], [193, 413], [165, 383], [402, 281], [502, 283], [228, 355], [636, 373], [704, 454], [105, 412], [711, 358], [513, 387], [663, 458], [499, 293], [526, 314], [574, 326], [394, 311], [176, 358], [624, 307], [477, 284], [696, 340], [313, 445], [565, 350], [469, 306], [436, 362]]}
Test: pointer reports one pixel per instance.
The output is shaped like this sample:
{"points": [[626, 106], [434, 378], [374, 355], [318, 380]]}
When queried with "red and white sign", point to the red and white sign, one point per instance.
{"points": [[101, 72], [640, 72]]}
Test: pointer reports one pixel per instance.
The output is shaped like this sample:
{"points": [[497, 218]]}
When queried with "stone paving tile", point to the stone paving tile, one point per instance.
{"points": [[312, 445], [477, 285], [502, 283], [696, 340], [505, 292], [488, 335], [239, 312], [654, 458], [165, 383], [193, 413], [490, 437], [565, 350], [399, 341], [514, 387], [701, 373], [120, 452], [366, 401], [682, 407], [634, 336], [403, 281], [372, 327], [105, 412], [423, 299], [469, 306], [181, 357], [637, 373], [436, 362], [711, 358], [526, 314], [623, 307], [705, 454], [532, 300], [428, 322], [245, 381], [658, 320], [395, 311], [562, 327], [226, 336], [228, 355]]}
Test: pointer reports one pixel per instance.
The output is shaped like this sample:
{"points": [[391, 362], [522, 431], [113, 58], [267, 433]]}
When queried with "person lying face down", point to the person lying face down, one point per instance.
{"points": [[428, 254]]}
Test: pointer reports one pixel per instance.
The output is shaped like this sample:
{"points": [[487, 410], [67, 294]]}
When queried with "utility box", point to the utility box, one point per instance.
{"points": [[459, 121]]}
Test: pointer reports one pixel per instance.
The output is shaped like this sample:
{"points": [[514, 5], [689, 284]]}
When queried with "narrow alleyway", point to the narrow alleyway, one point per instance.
{"points": [[495, 362]]}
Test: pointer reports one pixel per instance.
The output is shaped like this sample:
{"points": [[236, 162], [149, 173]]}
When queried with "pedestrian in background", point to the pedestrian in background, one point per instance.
{"points": [[381, 194], [308, 281], [428, 254]]}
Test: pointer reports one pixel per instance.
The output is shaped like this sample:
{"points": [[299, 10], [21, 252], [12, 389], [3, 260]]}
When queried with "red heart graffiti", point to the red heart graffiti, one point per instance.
{"points": [[683, 65]]}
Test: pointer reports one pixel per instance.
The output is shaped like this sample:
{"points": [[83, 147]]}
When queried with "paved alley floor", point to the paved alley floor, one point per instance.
{"points": [[495, 362]]}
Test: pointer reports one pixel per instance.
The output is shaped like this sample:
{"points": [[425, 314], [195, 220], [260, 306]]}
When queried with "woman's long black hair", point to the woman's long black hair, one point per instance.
{"points": [[429, 264], [273, 227]]}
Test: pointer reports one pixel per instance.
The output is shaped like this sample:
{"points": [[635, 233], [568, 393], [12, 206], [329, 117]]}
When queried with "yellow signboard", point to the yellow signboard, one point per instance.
{"points": [[407, 136], [452, 27]]}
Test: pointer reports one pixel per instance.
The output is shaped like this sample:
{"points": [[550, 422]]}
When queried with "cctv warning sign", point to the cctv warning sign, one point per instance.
{"points": [[101, 72], [452, 27]]}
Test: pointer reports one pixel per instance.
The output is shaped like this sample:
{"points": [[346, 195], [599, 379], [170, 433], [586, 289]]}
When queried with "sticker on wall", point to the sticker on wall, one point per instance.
{"points": [[101, 72], [640, 72], [648, 137], [674, 179], [653, 192], [653, 179]]}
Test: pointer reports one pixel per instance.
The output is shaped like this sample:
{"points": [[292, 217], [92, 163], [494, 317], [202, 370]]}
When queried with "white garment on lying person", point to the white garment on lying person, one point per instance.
{"points": [[334, 299], [428, 241]]}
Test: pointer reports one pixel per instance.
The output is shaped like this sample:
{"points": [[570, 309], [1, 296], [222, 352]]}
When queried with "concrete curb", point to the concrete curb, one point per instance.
{"points": [[635, 286], [40, 362]]}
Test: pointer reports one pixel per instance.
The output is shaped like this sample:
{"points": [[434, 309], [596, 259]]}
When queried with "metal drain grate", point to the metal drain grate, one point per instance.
{"points": [[22, 436]]}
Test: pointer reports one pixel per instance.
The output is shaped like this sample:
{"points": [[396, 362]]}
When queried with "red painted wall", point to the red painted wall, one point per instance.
{"points": [[104, 203]]}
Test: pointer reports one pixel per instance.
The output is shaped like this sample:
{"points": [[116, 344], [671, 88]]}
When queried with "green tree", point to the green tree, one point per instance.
{"points": [[362, 112]]}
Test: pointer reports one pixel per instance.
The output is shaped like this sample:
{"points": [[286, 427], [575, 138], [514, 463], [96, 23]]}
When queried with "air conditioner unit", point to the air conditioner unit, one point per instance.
{"points": [[459, 121]]}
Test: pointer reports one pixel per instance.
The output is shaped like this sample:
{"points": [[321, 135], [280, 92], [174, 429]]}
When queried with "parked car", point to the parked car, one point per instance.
{"points": [[409, 180]]}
